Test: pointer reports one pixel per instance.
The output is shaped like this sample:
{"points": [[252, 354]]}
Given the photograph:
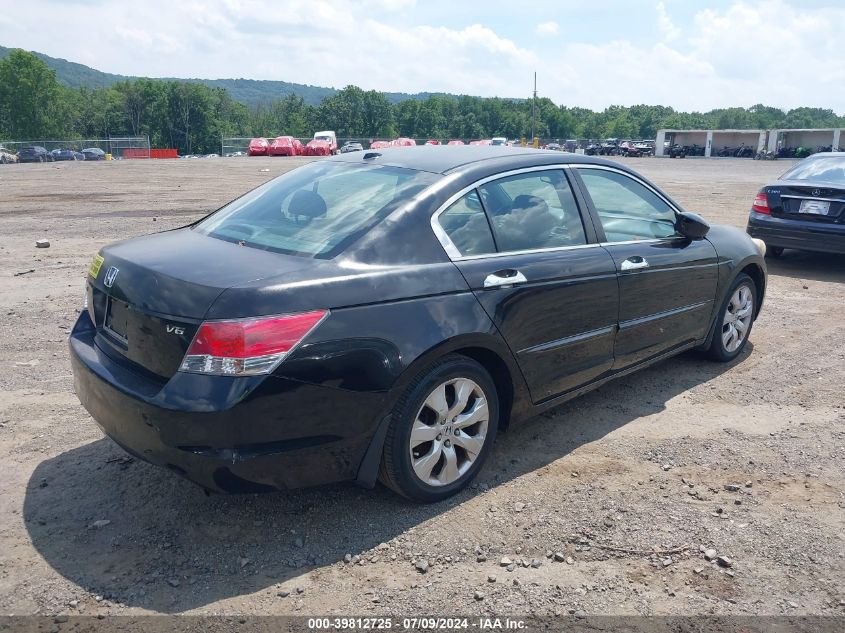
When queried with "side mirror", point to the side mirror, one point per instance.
{"points": [[691, 225]]}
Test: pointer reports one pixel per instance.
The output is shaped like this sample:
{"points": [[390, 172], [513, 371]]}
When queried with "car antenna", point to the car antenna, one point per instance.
{"points": [[370, 155]]}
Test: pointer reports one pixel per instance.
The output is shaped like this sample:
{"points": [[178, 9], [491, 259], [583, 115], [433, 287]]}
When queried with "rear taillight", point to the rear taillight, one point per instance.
{"points": [[247, 347], [761, 203]]}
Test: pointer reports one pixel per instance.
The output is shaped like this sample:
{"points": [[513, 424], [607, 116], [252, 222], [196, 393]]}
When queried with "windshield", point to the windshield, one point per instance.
{"points": [[322, 138], [317, 210], [823, 169]]}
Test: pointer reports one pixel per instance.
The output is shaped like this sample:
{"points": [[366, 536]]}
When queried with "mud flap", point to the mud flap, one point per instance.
{"points": [[368, 470]]}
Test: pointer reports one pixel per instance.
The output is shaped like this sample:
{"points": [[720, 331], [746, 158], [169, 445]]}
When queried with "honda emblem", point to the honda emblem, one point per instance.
{"points": [[111, 275]]}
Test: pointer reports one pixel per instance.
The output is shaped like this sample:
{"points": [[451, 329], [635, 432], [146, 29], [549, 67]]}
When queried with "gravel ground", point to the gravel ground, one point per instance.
{"points": [[606, 505]]}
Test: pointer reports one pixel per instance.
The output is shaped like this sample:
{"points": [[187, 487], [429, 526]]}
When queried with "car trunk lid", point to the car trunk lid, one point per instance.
{"points": [[150, 294], [815, 202]]}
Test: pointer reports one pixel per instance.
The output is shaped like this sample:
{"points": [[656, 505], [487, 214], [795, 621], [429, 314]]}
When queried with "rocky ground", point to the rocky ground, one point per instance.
{"points": [[689, 488]]}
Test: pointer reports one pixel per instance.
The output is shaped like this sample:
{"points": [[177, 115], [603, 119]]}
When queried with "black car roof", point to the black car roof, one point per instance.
{"points": [[443, 159]]}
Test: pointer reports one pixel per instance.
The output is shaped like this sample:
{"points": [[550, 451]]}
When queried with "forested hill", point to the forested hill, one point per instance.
{"points": [[38, 101], [247, 91]]}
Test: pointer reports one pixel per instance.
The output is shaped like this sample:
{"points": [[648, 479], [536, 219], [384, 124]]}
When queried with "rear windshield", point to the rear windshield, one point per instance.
{"points": [[317, 210], [828, 169]]}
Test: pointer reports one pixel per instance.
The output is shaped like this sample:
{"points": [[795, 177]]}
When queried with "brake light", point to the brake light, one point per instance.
{"points": [[761, 203], [247, 347]]}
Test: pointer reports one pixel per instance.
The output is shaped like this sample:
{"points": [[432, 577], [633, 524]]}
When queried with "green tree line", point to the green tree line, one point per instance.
{"points": [[192, 117]]}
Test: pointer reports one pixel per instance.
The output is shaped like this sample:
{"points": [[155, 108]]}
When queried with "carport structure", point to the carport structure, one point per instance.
{"points": [[813, 138], [712, 140]]}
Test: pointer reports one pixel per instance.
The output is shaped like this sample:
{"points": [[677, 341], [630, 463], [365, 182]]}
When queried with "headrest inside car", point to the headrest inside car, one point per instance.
{"points": [[307, 203]]}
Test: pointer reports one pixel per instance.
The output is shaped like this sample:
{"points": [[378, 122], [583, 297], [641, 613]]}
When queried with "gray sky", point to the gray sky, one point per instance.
{"points": [[690, 55]]}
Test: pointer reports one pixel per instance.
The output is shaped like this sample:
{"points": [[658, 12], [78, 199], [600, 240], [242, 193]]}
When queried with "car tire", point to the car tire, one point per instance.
{"points": [[774, 251], [734, 320], [446, 449]]}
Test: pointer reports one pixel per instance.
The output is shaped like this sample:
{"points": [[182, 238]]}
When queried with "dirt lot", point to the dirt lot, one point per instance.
{"points": [[747, 459]]}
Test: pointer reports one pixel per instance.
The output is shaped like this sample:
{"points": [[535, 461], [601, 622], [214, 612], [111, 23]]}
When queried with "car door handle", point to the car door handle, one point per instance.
{"points": [[507, 277], [634, 263]]}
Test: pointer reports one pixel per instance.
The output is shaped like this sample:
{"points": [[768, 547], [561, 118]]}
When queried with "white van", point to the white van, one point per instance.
{"points": [[327, 135]]}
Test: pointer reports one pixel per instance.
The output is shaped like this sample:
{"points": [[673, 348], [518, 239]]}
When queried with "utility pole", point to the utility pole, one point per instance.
{"points": [[534, 109]]}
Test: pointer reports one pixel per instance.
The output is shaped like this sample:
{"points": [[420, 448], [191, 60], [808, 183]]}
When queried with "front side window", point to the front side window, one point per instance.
{"points": [[466, 225], [533, 210], [627, 209], [316, 210]]}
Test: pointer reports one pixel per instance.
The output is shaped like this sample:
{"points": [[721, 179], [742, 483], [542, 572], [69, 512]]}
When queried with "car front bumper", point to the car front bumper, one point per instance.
{"points": [[799, 234], [226, 434]]}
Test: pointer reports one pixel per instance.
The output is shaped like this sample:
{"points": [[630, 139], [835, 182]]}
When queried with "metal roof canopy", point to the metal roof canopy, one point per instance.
{"points": [[709, 134]]}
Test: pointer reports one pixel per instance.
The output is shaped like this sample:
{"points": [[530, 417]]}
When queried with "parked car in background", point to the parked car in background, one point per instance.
{"points": [[804, 208], [293, 338], [677, 151], [282, 146], [94, 153], [379, 144], [258, 147], [403, 142], [455, 142], [7, 156], [432, 141], [34, 154], [555, 147], [609, 147], [67, 154], [646, 147], [329, 137], [317, 147], [628, 148], [480, 142], [498, 140], [350, 146]]}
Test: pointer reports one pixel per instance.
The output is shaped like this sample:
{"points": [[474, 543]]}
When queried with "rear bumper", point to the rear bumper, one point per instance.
{"points": [[802, 235], [226, 434]]}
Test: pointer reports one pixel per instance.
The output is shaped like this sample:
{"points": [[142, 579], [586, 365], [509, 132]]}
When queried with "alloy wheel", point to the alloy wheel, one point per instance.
{"points": [[737, 318], [449, 431]]}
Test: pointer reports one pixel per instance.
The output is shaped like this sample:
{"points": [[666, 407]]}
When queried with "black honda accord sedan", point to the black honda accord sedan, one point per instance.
{"points": [[383, 315]]}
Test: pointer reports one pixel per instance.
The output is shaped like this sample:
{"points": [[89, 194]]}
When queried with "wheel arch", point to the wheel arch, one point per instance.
{"points": [[490, 352], [758, 276], [501, 375]]}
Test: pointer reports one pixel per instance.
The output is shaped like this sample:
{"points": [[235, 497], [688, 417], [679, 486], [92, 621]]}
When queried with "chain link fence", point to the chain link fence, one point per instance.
{"points": [[117, 146]]}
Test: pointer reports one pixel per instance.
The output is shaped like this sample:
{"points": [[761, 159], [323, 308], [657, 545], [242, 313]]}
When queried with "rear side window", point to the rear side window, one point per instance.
{"points": [[533, 210], [317, 210], [466, 225], [627, 209]]}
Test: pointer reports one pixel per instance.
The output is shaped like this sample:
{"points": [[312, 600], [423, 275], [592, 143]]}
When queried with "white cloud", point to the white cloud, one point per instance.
{"points": [[547, 28], [753, 51], [664, 22], [765, 51]]}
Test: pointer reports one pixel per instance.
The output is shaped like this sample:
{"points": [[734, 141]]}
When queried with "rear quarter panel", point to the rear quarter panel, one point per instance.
{"points": [[382, 347]]}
